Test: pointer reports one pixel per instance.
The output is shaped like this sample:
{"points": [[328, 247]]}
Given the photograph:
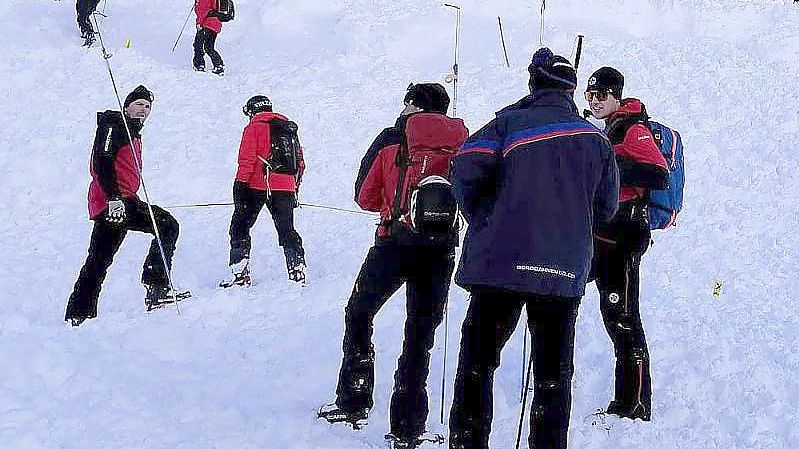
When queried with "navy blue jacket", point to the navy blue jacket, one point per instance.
{"points": [[530, 184]]}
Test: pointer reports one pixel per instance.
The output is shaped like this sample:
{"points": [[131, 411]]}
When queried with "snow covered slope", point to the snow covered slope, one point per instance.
{"points": [[247, 369]]}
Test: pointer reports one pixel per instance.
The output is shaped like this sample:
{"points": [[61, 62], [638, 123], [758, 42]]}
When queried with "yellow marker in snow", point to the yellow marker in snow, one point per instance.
{"points": [[127, 43], [717, 287]]}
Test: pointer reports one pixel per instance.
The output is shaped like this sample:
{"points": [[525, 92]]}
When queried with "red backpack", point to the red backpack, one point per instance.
{"points": [[423, 201]]}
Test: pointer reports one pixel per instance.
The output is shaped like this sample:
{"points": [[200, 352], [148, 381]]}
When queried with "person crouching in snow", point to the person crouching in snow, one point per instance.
{"points": [[116, 209], [271, 166]]}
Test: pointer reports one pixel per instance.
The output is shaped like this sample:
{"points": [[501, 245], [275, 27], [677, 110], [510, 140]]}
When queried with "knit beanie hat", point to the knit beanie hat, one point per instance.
{"points": [[430, 97], [551, 71], [139, 93], [609, 79]]}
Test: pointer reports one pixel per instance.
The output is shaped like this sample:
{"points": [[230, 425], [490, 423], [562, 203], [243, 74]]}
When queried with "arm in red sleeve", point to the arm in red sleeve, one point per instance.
{"points": [[370, 195], [247, 154], [640, 162]]}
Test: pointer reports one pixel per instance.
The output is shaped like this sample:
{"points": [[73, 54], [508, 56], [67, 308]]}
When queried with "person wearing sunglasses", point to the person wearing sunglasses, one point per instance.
{"points": [[620, 243]]}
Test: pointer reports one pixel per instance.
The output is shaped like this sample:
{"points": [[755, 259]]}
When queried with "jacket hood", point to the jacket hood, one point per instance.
{"points": [[543, 97], [631, 106], [114, 118], [431, 130]]}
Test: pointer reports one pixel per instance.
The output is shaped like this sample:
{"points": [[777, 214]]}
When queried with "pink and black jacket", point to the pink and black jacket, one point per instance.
{"points": [[114, 166]]}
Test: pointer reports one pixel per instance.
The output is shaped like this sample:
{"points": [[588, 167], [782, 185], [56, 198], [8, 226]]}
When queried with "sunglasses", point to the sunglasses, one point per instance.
{"points": [[600, 95]]}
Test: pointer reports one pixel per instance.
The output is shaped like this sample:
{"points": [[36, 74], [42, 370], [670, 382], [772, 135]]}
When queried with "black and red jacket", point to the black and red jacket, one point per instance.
{"points": [[377, 180], [113, 166], [641, 165], [256, 147]]}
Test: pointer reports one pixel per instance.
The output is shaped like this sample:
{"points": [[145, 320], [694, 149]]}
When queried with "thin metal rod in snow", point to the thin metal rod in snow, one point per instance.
{"points": [[524, 397], [182, 29], [578, 52], [317, 206], [455, 64], [541, 27], [136, 161], [502, 37], [524, 359]]}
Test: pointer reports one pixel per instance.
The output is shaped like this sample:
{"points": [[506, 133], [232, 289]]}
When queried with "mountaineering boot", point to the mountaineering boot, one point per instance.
{"points": [[218, 70], [158, 296], [397, 442], [239, 275], [199, 68], [333, 414], [295, 263]]}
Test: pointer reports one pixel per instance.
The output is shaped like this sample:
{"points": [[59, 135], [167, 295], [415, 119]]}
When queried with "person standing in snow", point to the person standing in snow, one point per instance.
{"points": [[264, 177], [116, 209], [621, 242], [85, 9], [400, 255], [208, 27], [531, 184]]}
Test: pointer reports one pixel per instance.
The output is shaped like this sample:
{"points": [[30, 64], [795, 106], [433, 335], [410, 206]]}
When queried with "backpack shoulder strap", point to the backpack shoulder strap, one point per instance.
{"points": [[402, 161]]}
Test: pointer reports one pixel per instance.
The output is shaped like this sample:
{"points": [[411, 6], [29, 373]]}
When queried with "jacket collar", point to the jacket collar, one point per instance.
{"points": [[544, 97]]}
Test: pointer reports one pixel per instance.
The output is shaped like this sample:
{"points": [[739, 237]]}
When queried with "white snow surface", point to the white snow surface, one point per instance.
{"points": [[248, 368]]}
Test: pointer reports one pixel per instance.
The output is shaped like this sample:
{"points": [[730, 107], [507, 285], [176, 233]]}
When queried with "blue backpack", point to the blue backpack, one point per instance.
{"points": [[664, 205]]}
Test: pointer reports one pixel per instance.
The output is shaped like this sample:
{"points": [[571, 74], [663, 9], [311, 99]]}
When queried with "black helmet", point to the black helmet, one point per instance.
{"points": [[256, 104]]}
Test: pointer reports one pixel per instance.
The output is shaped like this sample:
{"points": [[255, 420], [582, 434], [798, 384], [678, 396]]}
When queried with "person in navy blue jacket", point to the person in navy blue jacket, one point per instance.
{"points": [[531, 184]]}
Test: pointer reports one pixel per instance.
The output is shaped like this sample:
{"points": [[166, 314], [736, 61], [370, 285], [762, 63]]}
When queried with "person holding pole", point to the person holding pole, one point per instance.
{"points": [[208, 27], [404, 176], [530, 183], [116, 209]]}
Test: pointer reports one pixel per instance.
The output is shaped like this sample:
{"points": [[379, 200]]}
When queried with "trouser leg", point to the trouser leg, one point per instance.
{"points": [[489, 323], [427, 291], [199, 52], [104, 243], [209, 44], [378, 279], [618, 283], [247, 205], [137, 218], [281, 206], [551, 321], [85, 8]]}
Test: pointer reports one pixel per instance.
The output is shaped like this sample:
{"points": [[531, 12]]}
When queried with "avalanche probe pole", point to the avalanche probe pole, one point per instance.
{"points": [[182, 29], [524, 398], [502, 38], [454, 78], [578, 52], [541, 27], [137, 163]]}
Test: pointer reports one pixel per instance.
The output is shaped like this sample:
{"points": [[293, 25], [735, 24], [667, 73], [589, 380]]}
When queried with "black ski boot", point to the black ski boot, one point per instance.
{"points": [[333, 414], [199, 68], [295, 263], [159, 296], [218, 70], [396, 442]]}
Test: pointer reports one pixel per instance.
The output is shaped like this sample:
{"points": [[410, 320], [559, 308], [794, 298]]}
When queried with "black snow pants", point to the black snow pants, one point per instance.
{"points": [[490, 321], [105, 241], [247, 205], [619, 247], [85, 8], [204, 43], [427, 273]]}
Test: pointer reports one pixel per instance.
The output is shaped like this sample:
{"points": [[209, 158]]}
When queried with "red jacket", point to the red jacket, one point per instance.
{"points": [[257, 146], [633, 142], [202, 8], [422, 130]]}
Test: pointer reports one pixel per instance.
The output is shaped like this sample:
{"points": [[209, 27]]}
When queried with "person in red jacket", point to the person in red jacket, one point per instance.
{"points": [[115, 209], [208, 27], [622, 241], [260, 181], [400, 255]]}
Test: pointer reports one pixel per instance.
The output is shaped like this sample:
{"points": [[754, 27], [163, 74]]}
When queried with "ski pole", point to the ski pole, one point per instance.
{"points": [[182, 29], [524, 398], [318, 206], [578, 52], [454, 76], [524, 358], [137, 163], [444, 369], [502, 37], [541, 27]]}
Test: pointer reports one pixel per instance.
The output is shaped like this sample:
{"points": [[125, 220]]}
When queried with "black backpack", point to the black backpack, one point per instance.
{"points": [[225, 10], [286, 150]]}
